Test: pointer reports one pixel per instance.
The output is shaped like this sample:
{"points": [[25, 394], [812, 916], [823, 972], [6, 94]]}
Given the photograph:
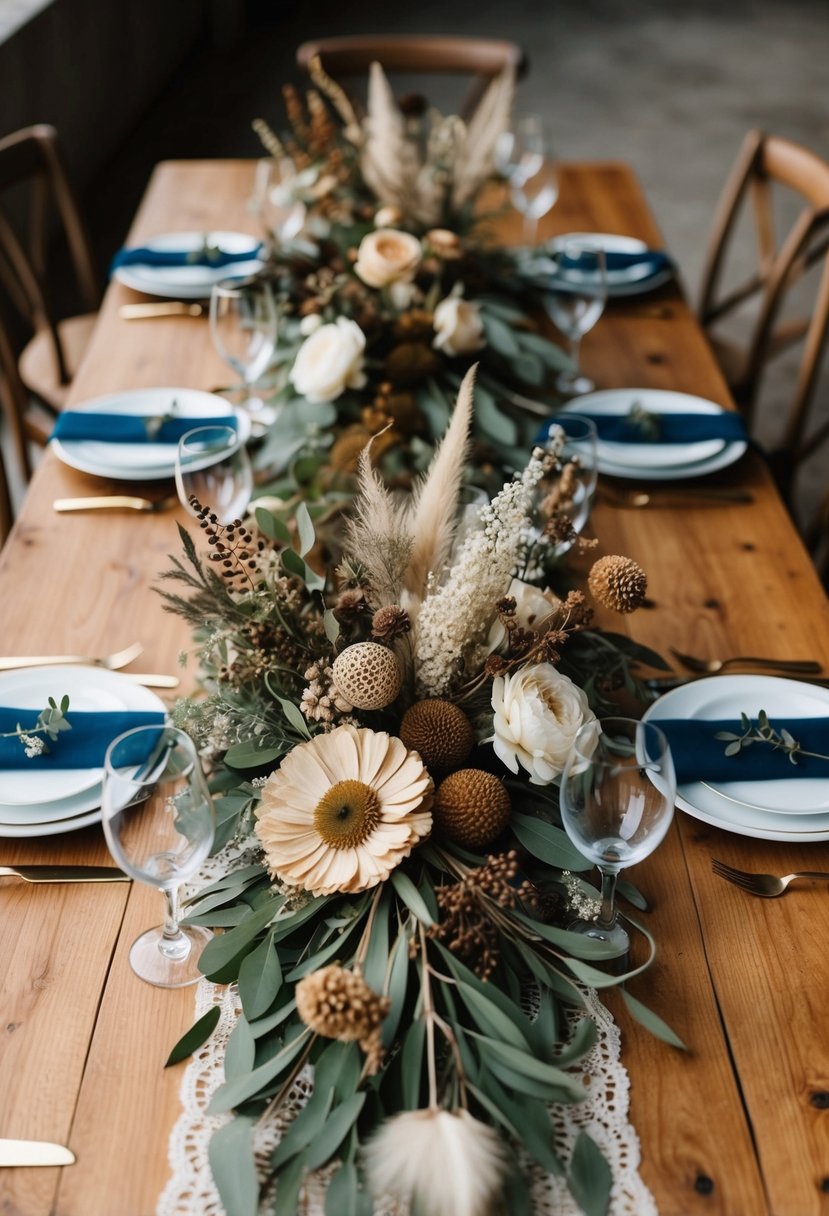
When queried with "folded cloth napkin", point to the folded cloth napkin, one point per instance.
{"points": [[132, 428], [700, 756], [208, 256], [84, 746], [662, 428], [652, 261]]}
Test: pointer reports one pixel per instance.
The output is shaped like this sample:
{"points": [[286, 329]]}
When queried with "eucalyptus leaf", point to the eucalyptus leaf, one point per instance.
{"points": [[230, 1153], [411, 897], [198, 1033], [490, 1019], [222, 950], [306, 1126], [344, 1196], [289, 1185], [411, 1061], [260, 978], [398, 983], [336, 1129], [331, 626], [578, 945], [497, 425], [632, 894], [267, 1024], [305, 529], [377, 955], [270, 526], [240, 1053], [295, 717], [528, 1066], [240, 1089], [589, 1177], [652, 1021], [250, 753], [500, 336], [547, 842]]}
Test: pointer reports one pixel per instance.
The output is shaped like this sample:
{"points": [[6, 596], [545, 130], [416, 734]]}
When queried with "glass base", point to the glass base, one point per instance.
{"points": [[572, 385], [614, 934], [169, 962]]}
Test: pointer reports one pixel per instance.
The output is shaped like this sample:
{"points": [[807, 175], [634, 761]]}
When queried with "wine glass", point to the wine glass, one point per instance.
{"points": [[575, 302], [520, 155], [617, 802], [214, 467], [276, 199], [159, 822], [243, 326], [566, 494]]}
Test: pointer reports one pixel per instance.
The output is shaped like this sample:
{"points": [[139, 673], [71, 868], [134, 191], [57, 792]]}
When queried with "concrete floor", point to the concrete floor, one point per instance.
{"points": [[671, 88]]}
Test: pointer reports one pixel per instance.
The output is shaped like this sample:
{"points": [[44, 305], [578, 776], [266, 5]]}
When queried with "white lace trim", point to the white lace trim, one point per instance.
{"points": [[604, 1115]]}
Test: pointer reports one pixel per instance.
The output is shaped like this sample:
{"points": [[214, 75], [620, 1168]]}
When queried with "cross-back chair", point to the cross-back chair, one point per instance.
{"points": [[32, 169], [481, 58], [764, 164]]}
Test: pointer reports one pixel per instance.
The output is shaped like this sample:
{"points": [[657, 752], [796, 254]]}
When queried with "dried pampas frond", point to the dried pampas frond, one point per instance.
{"points": [[378, 534], [338, 98], [446, 1162], [389, 162], [270, 140], [476, 157], [434, 509]]}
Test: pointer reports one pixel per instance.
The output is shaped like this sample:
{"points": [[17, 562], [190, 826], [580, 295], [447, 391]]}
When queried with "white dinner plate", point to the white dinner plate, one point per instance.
{"points": [[28, 831], [190, 282], [143, 461], [40, 813], [658, 462], [88, 688], [624, 281], [796, 809]]}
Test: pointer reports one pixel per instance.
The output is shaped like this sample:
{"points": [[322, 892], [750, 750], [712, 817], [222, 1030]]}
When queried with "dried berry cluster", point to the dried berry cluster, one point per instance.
{"points": [[466, 924]]}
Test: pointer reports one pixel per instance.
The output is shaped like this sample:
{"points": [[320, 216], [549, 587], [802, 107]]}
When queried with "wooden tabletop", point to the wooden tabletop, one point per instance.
{"points": [[737, 1126]]}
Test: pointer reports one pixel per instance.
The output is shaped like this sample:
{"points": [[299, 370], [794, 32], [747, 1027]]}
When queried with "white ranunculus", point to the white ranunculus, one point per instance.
{"points": [[533, 610], [387, 256], [330, 361], [537, 713], [458, 326]]}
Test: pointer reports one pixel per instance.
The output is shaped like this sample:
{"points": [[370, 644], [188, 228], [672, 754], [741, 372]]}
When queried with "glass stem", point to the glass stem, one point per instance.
{"points": [[171, 929], [607, 916], [575, 348], [530, 228]]}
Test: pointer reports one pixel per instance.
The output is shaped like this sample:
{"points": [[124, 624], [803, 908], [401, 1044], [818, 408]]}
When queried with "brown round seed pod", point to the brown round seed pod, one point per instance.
{"points": [[440, 731], [619, 583], [471, 807], [368, 675]]}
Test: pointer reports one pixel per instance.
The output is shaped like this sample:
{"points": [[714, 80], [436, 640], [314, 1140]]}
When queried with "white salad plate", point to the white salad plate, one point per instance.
{"points": [[190, 282], [28, 831], [656, 461], [88, 688], [785, 809], [143, 461], [624, 281]]}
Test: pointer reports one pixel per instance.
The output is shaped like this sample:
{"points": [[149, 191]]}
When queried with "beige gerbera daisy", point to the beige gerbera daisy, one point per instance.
{"points": [[343, 810]]}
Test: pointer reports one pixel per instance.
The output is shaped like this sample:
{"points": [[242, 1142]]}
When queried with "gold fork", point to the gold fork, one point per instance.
{"points": [[711, 497], [768, 886], [711, 666], [111, 661]]}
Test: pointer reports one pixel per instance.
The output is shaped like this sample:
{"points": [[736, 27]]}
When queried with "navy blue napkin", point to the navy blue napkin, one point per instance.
{"points": [[84, 746], [213, 258], [662, 428], [653, 261], [700, 756], [132, 428]]}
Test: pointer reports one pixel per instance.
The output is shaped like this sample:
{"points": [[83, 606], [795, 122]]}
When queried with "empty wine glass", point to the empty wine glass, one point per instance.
{"points": [[243, 326], [213, 467], [566, 493], [617, 802], [575, 302], [159, 823], [276, 199], [521, 155]]}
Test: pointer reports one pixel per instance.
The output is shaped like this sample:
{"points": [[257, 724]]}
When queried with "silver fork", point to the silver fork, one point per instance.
{"points": [[769, 886]]}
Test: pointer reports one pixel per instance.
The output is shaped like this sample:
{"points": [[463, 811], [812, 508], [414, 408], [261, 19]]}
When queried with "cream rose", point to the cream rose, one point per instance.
{"points": [[330, 361], [387, 256], [537, 714], [458, 327]]}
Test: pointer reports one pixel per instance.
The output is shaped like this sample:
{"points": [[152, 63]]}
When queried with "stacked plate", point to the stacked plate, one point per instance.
{"points": [[191, 282], [796, 809], [143, 461], [657, 461], [630, 280], [35, 802]]}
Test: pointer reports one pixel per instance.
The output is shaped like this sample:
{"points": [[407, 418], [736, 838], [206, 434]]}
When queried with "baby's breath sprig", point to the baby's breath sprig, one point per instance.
{"points": [[50, 722], [764, 732]]}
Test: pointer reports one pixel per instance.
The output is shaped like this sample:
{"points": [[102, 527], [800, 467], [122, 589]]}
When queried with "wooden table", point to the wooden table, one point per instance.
{"points": [[739, 1125]]}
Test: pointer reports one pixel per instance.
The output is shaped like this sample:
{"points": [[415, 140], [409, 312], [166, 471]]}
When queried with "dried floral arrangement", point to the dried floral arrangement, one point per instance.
{"points": [[394, 288], [386, 737]]}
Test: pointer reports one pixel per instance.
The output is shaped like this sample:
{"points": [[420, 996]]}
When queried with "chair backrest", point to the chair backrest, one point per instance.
{"points": [[480, 58], [766, 162], [31, 167], [6, 514], [14, 400]]}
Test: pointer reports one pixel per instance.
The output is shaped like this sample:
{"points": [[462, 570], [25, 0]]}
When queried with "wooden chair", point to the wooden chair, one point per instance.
{"points": [[764, 165], [480, 58], [6, 515], [32, 169]]}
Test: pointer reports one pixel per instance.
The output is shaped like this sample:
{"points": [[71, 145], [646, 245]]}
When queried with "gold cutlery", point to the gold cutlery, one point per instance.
{"points": [[52, 874], [113, 662], [767, 886], [173, 308], [115, 502], [713, 496], [34, 1152], [151, 679], [712, 666]]}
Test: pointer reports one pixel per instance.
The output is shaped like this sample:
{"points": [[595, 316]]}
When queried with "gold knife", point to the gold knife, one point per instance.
{"points": [[34, 1152], [152, 679], [38, 874], [110, 502], [174, 308]]}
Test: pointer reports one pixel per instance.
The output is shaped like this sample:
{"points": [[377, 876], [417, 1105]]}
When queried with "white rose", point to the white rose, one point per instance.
{"points": [[310, 324], [330, 361], [533, 610], [458, 326], [388, 217], [537, 714], [387, 256]]}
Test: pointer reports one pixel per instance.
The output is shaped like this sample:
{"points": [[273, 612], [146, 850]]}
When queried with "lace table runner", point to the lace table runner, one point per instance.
{"points": [[604, 1115]]}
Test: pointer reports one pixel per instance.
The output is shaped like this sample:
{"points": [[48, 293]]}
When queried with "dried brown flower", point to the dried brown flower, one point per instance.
{"points": [[440, 731], [471, 807], [619, 583], [465, 924], [390, 623], [339, 1004]]}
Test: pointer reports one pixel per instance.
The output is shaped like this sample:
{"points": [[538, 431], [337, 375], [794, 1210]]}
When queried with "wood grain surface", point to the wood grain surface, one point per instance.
{"points": [[737, 1126]]}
